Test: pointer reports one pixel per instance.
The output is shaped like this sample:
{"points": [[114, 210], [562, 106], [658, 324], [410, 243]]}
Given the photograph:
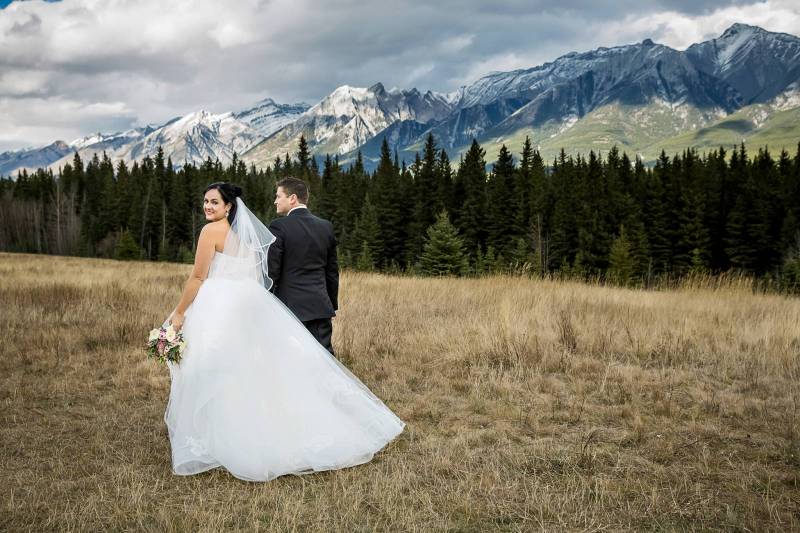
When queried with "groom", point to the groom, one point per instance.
{"points": [[302, 261]]}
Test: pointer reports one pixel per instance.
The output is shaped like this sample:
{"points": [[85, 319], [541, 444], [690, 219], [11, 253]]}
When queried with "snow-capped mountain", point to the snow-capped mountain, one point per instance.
{"points": [[268, 116], [111, 141], [192, 138], [632, 73], [351, 116], [636, 95], [32, 158], [196, 137], [576, 84], [757, 63]]}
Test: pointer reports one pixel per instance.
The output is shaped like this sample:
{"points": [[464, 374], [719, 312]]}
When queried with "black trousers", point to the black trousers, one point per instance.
{"points": [[322, 330]]}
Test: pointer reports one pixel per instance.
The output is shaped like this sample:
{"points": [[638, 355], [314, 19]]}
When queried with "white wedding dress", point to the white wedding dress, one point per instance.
{"points": [[256, 394]]}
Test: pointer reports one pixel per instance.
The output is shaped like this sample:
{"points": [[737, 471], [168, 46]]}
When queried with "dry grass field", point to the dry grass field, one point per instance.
{"points": [[531, 405]]}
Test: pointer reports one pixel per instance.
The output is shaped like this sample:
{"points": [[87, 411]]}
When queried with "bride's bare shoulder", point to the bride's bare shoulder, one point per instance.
{"points": [[216, 230], [218, 226]]}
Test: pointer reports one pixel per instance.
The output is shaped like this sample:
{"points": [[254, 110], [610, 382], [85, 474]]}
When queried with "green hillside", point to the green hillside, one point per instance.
{"points": [[751, 125], [646, 130], [631, 128]]}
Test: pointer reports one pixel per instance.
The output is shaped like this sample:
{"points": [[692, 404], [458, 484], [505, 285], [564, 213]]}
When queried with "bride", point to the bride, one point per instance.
{"points": [[254, 392]]}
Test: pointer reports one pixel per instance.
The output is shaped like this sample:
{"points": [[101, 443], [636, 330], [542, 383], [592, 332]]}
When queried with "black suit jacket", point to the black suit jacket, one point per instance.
{"points": [[303, 265]]}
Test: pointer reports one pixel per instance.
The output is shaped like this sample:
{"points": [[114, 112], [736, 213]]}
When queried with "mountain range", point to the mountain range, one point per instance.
{"points": [[741, 86]]}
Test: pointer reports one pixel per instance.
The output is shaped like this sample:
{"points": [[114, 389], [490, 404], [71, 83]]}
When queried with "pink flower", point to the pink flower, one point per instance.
{"points": [[160, 347]]}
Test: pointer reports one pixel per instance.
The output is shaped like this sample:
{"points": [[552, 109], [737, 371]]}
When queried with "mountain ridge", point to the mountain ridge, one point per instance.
{"points": [[744, 66]]}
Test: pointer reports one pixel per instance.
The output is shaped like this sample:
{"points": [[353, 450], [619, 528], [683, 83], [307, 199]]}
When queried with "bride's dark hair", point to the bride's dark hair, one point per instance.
{"points": [[229, 193]]}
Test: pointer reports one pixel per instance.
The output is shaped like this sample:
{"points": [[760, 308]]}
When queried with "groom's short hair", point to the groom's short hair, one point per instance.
{"points": [[296, 186]]}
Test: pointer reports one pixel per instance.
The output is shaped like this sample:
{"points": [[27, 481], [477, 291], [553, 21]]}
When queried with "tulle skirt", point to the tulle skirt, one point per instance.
{"points": [[256, 394]]}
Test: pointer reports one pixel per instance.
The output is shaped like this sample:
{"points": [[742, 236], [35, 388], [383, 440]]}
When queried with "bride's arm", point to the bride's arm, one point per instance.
{"points": [[206, 246]]}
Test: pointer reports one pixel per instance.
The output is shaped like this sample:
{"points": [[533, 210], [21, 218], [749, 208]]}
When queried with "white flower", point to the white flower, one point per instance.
{"points": [[171, 334], [153, 335]]}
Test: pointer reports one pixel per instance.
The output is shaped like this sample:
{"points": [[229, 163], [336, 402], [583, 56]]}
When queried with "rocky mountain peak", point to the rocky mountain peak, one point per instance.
{"points": [[738, 28], [378, 89]]}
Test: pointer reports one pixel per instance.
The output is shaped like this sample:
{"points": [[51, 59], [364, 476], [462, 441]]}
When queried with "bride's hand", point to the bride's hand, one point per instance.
{"points": [[177, 321]]}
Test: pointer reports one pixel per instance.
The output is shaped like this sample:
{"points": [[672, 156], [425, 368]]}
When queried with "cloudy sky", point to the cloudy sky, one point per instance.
{"points": [[69, 68]]}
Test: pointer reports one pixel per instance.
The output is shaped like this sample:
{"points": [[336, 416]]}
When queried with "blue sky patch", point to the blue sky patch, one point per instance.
{"points": [[4, 3]]}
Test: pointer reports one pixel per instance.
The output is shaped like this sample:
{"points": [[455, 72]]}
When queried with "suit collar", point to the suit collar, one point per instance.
{"points": [[299, 211]]}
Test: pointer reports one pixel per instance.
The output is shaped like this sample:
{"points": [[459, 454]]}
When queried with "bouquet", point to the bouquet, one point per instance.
{"points": [[165, 344]]}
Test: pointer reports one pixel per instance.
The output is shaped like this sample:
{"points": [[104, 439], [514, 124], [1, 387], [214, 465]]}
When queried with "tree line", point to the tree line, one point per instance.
{"points": [[609, 218]]}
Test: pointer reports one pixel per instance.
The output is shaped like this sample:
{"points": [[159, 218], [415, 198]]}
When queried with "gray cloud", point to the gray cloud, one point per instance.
{"points": [[112, 64], [32, 25]]}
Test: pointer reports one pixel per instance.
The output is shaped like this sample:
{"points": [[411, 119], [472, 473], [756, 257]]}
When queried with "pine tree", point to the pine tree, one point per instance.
{"points": [[655, 220], [502, 206], [351, 193], [444, 183], [326, 196], [179, 210], [621, 265], [307, 170], [127, 248], [365, 261], [479, 266], [470, 217], [76, 181], [426, 197], [151, 208], [563, 221], [367, 234], [749, 245], [637, 237], [524, 189], [522, 255], [493, 263], [389, 201], [108, 216], [693, 249], [594, 216], [303, 158], [288, 168], [719, 192], [124, 197], [443, 252], [774, 209]]}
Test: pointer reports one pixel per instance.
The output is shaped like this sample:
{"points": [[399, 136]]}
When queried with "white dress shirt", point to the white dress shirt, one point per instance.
{"points": [[301, 206]]}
